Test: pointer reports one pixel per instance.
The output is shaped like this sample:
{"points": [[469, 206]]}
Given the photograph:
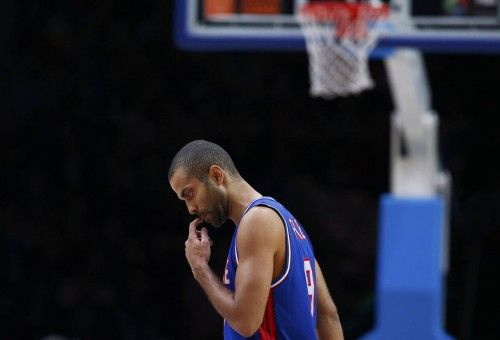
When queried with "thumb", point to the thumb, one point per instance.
{"points": [[204, 235]]}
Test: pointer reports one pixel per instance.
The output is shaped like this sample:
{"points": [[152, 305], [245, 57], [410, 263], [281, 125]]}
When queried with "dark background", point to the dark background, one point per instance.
{"points": [[95, 102]]}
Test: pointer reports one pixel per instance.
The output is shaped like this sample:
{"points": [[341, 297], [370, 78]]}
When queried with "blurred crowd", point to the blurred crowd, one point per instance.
{"points": [[97, 99]]}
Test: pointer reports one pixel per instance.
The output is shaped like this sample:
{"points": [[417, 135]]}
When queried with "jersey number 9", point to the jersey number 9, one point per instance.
{"points": [[310, 283]]}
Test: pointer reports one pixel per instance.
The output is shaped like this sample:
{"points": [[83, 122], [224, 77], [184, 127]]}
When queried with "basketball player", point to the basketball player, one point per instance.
{"points": [[272, 286]]}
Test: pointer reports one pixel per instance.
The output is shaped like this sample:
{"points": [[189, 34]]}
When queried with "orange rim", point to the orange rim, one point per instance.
{"points": [[350, 19]]}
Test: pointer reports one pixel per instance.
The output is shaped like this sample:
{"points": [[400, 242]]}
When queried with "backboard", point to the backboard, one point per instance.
{"points": [[449, 26]]}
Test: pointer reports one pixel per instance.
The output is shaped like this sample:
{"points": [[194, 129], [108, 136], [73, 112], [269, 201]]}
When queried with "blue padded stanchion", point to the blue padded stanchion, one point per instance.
{"points": [[410, 274]]}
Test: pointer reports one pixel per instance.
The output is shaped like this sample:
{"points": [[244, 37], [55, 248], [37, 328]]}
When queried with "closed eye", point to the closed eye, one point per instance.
{"points": [[187, 194]]}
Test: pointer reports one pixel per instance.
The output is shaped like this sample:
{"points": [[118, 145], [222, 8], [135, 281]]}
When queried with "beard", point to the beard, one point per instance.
{"points": [[216, 214]]}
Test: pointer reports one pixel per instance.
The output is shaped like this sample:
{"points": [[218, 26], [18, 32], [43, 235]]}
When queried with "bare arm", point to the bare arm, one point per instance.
{"points": [[329, 327], [257, 243]]}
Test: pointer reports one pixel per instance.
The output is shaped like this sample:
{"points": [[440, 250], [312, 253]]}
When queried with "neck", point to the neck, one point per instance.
{"points": [[240, 195]]}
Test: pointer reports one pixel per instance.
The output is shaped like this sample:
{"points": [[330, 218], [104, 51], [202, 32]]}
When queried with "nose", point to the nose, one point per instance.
{"points": [[191, 209]]}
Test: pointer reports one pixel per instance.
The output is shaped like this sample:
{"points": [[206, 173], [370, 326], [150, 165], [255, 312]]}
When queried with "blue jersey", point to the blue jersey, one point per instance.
{"points": [[291, 307]]}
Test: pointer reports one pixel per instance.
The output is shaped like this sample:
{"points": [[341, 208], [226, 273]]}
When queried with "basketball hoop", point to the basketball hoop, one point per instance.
{"points": [[339, 38]]}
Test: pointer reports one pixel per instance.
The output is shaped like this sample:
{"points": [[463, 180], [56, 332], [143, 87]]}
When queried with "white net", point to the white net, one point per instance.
{"points": [[339, 39]]}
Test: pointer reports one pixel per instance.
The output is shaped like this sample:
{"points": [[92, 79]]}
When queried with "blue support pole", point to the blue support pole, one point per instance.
{"points": [[410, 275]]}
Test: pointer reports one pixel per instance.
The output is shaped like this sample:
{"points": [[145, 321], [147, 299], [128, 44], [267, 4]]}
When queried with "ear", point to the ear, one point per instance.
{"points": [[216, 174]]}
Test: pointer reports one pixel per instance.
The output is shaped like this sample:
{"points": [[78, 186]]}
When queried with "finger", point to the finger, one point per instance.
{"points": [[192, 228]]}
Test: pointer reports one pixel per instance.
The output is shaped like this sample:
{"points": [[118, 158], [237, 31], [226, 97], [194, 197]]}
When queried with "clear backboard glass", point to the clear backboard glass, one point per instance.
{"points": [[461, 26]]}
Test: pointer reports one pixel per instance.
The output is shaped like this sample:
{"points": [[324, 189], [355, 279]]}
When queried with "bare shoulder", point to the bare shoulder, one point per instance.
{"points": [[260, 224], [261, 218]]}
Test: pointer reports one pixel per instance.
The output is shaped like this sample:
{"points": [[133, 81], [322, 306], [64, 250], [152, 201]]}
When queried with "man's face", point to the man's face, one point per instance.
{"points": [[205, 200]]}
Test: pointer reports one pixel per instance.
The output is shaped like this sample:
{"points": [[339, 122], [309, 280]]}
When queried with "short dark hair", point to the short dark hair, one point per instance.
{"points": [[196, 158]]}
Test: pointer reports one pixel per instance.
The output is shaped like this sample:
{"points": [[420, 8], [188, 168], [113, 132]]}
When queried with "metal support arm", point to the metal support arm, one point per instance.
{"points": [[414, 128]]}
